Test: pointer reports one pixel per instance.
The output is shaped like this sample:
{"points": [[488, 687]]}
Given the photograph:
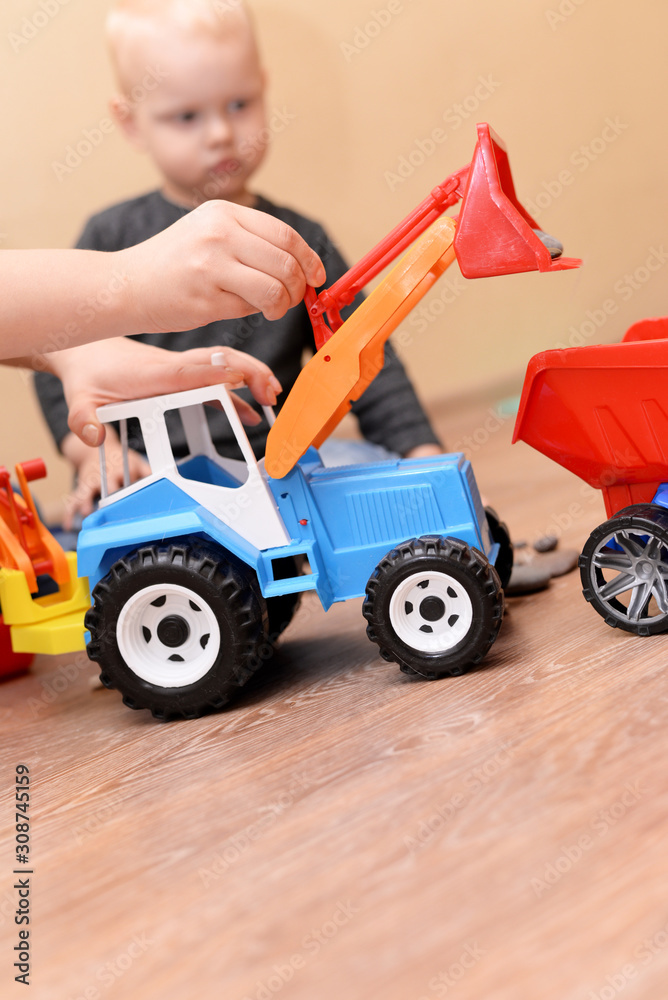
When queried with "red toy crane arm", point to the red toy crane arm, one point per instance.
{"points": [[332, 300], [496, 235], [493, 234]]}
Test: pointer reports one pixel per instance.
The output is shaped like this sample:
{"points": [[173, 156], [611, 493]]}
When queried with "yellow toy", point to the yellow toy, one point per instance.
{"points": [[52, 623]]}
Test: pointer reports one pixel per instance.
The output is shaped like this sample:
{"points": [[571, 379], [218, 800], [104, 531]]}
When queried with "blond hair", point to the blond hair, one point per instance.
{"points": [[130, 20]]}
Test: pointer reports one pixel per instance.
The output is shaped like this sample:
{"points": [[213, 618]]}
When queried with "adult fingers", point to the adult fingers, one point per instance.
{"points": [[247, 414], [263, 277], [268, 265], [171, 376], [258, 376], [285, 239]]}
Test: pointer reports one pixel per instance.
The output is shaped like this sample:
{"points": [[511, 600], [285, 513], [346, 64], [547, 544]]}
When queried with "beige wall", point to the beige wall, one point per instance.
{"points": [[359, 86]]}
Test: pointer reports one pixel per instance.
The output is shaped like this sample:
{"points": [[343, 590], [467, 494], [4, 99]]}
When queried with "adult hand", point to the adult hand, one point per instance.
{"points": [[120, 369], [220, 261]]}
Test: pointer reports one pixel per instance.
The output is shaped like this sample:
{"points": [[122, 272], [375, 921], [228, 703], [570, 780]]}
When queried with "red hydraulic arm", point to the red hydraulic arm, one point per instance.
{"points": [[332, 300], [495, 233]]}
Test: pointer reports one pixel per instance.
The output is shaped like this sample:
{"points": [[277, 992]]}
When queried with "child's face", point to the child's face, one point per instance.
{"points": [[204, 124]]}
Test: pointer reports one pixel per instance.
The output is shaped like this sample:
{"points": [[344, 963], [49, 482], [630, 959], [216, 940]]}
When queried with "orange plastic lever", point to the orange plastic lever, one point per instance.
{"points": [[344, 366]]}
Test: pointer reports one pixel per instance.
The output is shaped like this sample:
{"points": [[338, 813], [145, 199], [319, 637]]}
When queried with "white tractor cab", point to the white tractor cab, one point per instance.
{"points": [[231, 489], [196, 569]]}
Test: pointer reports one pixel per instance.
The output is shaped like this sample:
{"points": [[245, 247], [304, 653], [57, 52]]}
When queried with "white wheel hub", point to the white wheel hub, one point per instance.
{"points": [[431, 612], [168, 635]]}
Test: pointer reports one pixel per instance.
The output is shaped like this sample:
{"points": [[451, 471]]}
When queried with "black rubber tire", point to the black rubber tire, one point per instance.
{"points": [[499, 532], [223, 590], [443, 561], [647, 526]]}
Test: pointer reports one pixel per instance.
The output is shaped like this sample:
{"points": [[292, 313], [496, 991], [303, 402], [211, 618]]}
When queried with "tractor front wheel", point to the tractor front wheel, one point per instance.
{"points": [[434, 605]]}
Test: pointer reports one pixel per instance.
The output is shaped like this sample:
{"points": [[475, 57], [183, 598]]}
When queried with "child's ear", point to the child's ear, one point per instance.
{"points": [[124, 115]]}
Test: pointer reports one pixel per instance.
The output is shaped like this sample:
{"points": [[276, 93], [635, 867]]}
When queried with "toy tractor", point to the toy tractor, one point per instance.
{"points": [[197, 568]]}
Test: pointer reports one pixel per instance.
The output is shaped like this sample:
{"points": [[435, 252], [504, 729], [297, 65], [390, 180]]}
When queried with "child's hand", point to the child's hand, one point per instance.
{"points": [[86, 462], [115, 370], [220, 261]]}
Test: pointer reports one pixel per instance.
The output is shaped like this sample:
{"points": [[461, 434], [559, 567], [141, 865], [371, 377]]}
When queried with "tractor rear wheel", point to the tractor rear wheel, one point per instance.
{"points": [[177, 629]]}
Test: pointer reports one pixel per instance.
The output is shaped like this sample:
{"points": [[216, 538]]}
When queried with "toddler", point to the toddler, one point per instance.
{"points": [[203, 124]]}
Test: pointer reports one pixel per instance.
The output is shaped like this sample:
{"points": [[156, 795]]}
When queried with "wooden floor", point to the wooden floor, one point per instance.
{"points": [[346, 832]]}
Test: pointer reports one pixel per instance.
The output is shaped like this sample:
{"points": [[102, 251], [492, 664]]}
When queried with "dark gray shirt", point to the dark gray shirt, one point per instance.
{"points": [[389, 412]]}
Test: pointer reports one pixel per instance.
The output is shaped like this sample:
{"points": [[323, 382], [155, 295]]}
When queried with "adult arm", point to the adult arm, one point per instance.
{"points": [[220, 260]]}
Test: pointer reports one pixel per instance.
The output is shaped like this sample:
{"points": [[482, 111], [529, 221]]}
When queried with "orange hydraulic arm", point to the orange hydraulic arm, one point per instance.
{"points": [[345, 365]]}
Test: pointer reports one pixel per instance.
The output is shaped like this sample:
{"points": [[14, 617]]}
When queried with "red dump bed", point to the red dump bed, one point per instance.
{"points": [[602, 413]]}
